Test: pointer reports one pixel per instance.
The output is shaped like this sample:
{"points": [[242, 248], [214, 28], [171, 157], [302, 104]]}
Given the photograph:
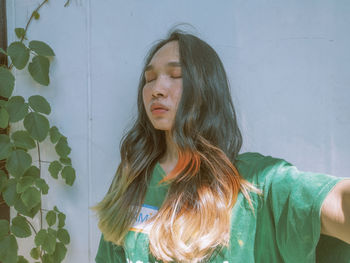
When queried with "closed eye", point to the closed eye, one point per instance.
{"points": [[150, 76], [176, 75]]}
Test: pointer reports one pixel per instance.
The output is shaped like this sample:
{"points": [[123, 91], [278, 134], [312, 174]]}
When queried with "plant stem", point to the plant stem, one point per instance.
{"points": [[30, 19], [31, 225], [39, 156], [41, 210], [35, 234], [45, 161]]}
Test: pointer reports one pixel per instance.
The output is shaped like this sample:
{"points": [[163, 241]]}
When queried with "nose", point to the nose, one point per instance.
{"points": [[159, 88]]}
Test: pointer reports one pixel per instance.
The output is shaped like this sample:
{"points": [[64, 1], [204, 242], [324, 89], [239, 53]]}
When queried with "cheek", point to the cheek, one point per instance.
{"points": [[145, 96], [178, 94]]}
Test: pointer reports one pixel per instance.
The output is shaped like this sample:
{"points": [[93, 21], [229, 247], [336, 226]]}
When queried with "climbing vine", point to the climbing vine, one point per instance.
{"points": [[24, 187]]}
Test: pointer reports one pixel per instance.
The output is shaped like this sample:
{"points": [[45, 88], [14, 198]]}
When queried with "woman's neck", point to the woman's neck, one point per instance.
{"points": [[169, 159]]}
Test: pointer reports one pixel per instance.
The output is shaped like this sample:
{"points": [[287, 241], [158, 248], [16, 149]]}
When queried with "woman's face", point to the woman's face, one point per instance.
{"points": [[163, 88]]}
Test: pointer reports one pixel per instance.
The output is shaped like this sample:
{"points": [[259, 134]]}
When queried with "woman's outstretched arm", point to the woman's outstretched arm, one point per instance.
{"points": [[335, 212]]}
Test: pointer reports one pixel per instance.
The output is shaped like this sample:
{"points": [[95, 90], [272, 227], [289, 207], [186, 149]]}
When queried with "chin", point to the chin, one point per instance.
{"points": [[161, 124], [161, 127]]}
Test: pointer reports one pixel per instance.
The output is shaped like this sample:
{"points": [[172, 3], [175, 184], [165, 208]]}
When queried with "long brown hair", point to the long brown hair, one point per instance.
{"points": [[194, 219]]}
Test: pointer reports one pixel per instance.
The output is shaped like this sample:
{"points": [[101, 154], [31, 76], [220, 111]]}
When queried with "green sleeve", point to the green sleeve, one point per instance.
{"points": [[294, 199], [109, 253]]}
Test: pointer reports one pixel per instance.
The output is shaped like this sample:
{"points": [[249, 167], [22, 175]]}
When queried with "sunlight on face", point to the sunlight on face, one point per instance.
{"points": [[163, 88]]}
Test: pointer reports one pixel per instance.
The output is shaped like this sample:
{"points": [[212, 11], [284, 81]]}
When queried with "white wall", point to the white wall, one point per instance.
{"points": [[287, 63]]}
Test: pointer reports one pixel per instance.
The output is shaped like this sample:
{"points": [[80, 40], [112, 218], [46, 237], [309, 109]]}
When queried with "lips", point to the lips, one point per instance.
{"points": [[159, 107]]}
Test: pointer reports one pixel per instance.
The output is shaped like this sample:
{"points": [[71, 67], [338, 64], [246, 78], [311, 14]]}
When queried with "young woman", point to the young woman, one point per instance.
{"points": [[182, 193]]}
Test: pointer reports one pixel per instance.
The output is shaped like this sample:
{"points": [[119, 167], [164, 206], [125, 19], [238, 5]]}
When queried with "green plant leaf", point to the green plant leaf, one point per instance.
{"points": [[21, 259], [24, 183], [56, 209], [36, 15], [3, 180], [18, 162], [46, 240], [39, 104], [19, 32], [63, 236], [31, 197], [35, 252], [42, 185], [37, 125], [22, 208], [10, 194], [3, 103], [61, 219], [68, 173], [19, 54], [32, 171], [47, 258], [39, 70], [17, 108], [52, 231], [62, 147], [23, 139], [51, 218], [3, 51], [8, 249], [60, 252], [5, 146], [40, 237], [54, 168], [7, 82], [4, 228], [66, 161], [4, 118], [41, 48], [33, 211], [20, 227], [54, 134]]}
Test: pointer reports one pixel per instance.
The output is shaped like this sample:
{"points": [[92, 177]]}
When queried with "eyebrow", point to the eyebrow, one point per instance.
{"points": [[171, 64]]}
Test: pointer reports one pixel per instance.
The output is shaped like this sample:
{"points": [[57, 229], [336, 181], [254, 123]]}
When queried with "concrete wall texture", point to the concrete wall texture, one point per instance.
{"points": [[287, 62]]}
